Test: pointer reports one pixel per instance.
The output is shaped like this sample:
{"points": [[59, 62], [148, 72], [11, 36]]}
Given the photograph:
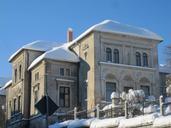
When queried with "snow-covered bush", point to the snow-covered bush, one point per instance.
{"points": [[135, 96], [114, 95], [168, 108], [168, 90]]}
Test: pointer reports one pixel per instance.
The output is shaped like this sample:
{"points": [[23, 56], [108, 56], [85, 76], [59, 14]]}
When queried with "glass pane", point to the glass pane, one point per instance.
{"points": [[146, 90], [110, 87]]}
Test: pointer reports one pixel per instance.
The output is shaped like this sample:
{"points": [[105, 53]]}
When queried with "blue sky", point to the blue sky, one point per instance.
{"points": [[23, 21]]}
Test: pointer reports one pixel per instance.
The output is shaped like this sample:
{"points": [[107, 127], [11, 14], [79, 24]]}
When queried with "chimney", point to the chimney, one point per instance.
{"points": [[69, 35]]}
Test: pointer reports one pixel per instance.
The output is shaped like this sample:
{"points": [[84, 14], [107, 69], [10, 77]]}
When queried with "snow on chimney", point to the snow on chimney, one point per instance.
{"points": [[69, 35]]}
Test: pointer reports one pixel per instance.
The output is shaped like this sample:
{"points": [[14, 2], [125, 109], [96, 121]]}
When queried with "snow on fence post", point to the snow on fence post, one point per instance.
{"points": [[161, 105], [75, 113], [97, 111], [126, 109]]}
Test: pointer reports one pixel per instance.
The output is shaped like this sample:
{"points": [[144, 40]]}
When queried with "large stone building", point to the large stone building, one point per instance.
{"points": [[107, 57]]}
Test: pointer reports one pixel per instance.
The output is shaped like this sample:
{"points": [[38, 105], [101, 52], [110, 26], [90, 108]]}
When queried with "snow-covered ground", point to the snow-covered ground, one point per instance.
{"points": [[152, 120]]}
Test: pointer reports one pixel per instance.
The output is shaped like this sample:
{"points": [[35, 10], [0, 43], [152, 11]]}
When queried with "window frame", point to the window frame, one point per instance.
{"points": [[20, 71], [62, 71], [138, 58], [116, 56], [62, 95], [108, 54], [109, 83], [15, 75], [145, 86], [145, 59], [68, 72]]}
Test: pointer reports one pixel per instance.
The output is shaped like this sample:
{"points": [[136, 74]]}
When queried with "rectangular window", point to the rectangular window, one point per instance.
{"points": [[64, 97], [68, 72], [85, 55], [146, 90], [62, 71], [15, 105], [126, 89], [35, 96], [37, 76], [110, 87], [10, 108], [19, 103]]}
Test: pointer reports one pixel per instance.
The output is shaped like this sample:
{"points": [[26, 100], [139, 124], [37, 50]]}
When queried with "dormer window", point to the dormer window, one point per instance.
{"points": [[138, 59], [108, 55]]}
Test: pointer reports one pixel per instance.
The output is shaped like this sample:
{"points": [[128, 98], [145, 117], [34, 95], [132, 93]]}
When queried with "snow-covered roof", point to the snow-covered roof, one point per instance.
{"points": [[119, 28], [38, 45], [3, 81], [7, 84], [164, 69], [2, 90], [61, 53]]}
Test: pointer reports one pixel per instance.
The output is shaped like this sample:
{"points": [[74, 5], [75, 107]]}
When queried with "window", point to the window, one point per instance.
{"points": [[116, 56], [15, 105], [20, 70], [19, 103], [68, 72], [146, 90], [15, 75], [10, 108], [145, 60], [110, 87], [64, 98], [108, 54], [138, 59], [85, 55], [62, 71], [37, 76], [126, 89], [35, 96]]}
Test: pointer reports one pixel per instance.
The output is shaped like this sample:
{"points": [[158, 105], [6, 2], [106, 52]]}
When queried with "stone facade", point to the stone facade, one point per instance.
{"points": [[2, 111], [50, 80], [108, 62], [18, 94], [95, 71]]}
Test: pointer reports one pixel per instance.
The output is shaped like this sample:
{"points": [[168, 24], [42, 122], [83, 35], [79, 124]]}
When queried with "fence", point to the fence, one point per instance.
{"points": [[121, 109]]}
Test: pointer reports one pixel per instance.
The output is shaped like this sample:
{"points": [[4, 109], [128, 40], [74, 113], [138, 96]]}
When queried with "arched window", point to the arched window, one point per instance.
{"points": [[20, 70], [15, 75], [145, 60], [138, 59], [108, 54], [116, 56]]}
